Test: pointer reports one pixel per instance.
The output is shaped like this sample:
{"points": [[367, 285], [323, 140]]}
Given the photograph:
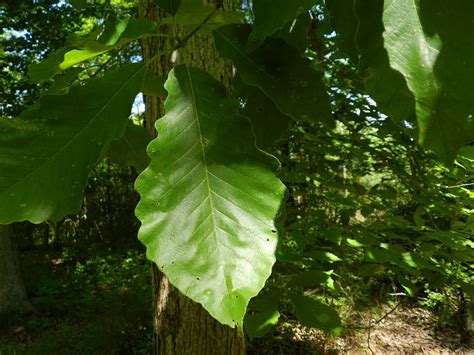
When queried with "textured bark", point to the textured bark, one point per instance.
{"points": [[182, 326], [12, 292]]}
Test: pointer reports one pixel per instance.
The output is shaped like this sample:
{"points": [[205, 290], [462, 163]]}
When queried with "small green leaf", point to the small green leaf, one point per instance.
{"points": [[259, 324], [408, 286], [312, 313], [277, 69], [47, 154], [115, 34], [209, 198], [354, 243], [323, 256]]}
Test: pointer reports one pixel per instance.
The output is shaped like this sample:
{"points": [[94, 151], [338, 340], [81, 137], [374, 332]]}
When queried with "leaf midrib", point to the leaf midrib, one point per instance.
{"points": [[209, 190]]}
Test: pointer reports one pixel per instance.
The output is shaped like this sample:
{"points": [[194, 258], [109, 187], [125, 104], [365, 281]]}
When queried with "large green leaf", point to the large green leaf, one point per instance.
{"points": [[271, 15], [115, 34], [47, 154], [414, 60], [209, 198], [435, 55], [277, 69]]}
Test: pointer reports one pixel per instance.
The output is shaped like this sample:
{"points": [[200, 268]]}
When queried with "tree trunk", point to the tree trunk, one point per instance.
{"points": [[182, 326], [12, 292]]}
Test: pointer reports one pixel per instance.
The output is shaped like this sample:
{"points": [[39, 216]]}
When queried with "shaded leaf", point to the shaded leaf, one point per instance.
{"points": [[310, 278], [271, 15], [268, 123], [323, 256], [312, 313], [209, 198], [47, 154], [130, 150], [153, 85], [170, 6], [295, 32], [277, 69]]}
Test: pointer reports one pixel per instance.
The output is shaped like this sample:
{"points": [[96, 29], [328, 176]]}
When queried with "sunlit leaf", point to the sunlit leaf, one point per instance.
{"points": [[209, 198], [115, 34]]}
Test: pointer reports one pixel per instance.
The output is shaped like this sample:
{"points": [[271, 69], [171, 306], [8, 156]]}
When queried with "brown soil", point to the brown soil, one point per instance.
{"points": [[403, 331]]}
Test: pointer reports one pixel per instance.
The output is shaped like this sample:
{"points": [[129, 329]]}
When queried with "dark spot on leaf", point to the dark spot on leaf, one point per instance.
{"points": [[274, 231]]}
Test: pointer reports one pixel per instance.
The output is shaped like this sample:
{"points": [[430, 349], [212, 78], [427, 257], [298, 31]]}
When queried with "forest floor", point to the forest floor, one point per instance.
{"points": [[100, 305], [403, 330]]}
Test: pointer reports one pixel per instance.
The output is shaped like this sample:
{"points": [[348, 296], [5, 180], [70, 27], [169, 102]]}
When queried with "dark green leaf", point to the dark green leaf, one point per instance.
{"points": [[170, 6], [153, 85], [263, 314], [268, 123], [295, 32], [130, 150], [312, 313], [47, 154], [288, 79], [271, 15]]}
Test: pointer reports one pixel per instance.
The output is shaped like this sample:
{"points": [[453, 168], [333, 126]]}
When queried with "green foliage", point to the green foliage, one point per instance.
{"points": [[170, 6], [279, 71], [130, 149], [212, 175], [96, 302], [271, 15], [409, 51], [115, 34], [367, 204], [47, 154]]}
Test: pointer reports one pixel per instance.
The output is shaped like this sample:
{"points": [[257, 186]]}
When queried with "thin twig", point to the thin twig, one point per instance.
{"points": [[371, 325]]}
